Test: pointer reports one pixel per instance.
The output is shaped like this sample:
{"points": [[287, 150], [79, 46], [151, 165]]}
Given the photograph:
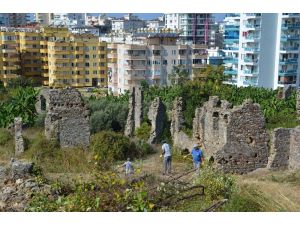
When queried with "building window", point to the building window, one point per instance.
{"points": [[102, 72], [165, 62], [173, 52], [94, 56], [87, 56], [87, 72], [87, 80], [87, 64], [102, 56], [95, 72]]}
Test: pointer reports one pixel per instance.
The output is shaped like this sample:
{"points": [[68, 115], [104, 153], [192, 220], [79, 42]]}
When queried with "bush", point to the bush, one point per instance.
{"points": [[143, 132], [107, 115], [51, 158], [217, 184], [108, 146], [5, 136]]}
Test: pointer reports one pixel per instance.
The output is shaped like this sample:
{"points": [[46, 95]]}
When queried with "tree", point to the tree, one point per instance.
{"points": [[214, 74], [179, 75]]}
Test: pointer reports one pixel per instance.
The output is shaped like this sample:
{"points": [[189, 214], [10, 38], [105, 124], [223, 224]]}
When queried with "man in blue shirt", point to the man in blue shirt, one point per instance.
{"points": [[197, 155], [128, 167]]}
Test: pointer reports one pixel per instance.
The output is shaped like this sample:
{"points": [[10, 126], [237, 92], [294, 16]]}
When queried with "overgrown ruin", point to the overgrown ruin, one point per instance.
{"points": [[285, 149], [135, 113], [19, 141], [156, 114], [180, 139], [67, 119]]}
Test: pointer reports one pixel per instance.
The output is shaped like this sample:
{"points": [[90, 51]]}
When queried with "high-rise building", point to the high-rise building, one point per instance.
{"points": [[262, 49], [195, 27], [14, 19], [150, 57], [44, 19], [53, 56], [129, 23]]}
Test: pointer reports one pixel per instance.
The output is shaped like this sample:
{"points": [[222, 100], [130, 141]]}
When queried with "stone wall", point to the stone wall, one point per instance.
{"points": [[285, 92], [180, 139], [235, 138], [19, 141], [298, 103], [285, 149], [135, 113], [67, 119], [156, 115]]}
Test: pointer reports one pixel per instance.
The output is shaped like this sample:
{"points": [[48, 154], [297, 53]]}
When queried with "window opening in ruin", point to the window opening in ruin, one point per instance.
{"points": [[215, 114], [43, 103], [226, 118]]}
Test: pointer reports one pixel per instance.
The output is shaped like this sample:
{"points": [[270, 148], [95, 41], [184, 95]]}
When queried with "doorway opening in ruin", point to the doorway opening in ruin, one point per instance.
{"points": [[43, 103]]}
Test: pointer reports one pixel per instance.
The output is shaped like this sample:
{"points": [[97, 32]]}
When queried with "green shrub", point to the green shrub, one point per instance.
{"points": [[108, 146], [217, 184], [143, 132], [107, 115], [5, 136]]}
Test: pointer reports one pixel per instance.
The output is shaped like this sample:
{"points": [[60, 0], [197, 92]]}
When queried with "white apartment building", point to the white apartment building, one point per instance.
{"points": [[129, 23], [195, 27], [265, 53], [44, 19], [151, 60]]}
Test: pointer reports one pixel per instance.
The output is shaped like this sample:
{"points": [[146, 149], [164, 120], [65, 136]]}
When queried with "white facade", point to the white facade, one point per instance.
{"points": [[151, 61], [127, 24], [266, 51], [43, 18], [172, 21]]}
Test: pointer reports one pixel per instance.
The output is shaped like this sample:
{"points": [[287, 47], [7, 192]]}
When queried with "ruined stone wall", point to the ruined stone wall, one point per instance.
{"points": [[129, 127], [246, 147], [285, 92], [235, 138], [67, 119], [180, 139], [285, 149], [138, 107], [156, 114], [19, 141], [298, 103], [135, 113]]}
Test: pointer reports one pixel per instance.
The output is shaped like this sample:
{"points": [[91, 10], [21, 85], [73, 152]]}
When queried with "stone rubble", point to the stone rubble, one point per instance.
{"points": [[19, 141]]}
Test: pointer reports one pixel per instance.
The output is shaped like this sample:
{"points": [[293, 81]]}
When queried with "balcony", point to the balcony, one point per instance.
{"points": [[253, 15], [135, 67], [290, 26], [231, 48], [199, 66], [288, 61], [287, 73], [232, 27], [231, 40], [251, 49], [231, 60], [136, 57], [250, 72], [250, 60], [289, 48], [290, 15], [252, 26], [290, 38], [230, 72]]}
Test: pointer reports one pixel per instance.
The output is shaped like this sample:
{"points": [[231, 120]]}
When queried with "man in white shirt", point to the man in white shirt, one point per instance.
{"points": [[166, 153]]}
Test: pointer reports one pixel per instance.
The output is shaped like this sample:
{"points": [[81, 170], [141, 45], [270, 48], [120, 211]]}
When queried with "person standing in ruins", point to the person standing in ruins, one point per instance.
{"points": [[166, 154], [197, 155]]}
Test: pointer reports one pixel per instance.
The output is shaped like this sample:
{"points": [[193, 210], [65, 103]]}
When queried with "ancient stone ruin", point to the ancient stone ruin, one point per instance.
{"points": [[285, 149], [67, 119], [298, 103], [135, 114], [156, 114], [236, 138], [19, 141], [180, 139]]}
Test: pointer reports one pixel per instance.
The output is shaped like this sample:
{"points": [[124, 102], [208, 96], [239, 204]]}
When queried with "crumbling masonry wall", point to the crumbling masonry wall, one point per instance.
{"points": [[285, 149], [19, 141], [156, 115], [135, 113], [67, 119], [298, 103], [180, 139], [235, 138], [42, 103]]}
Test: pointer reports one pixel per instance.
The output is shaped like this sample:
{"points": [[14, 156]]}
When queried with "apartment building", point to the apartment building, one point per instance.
{"points": [[129, 23], [195, 27], [151, 60], [14, 19], [44, 19], [54, 57], [262, 49], [9, 57]]}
